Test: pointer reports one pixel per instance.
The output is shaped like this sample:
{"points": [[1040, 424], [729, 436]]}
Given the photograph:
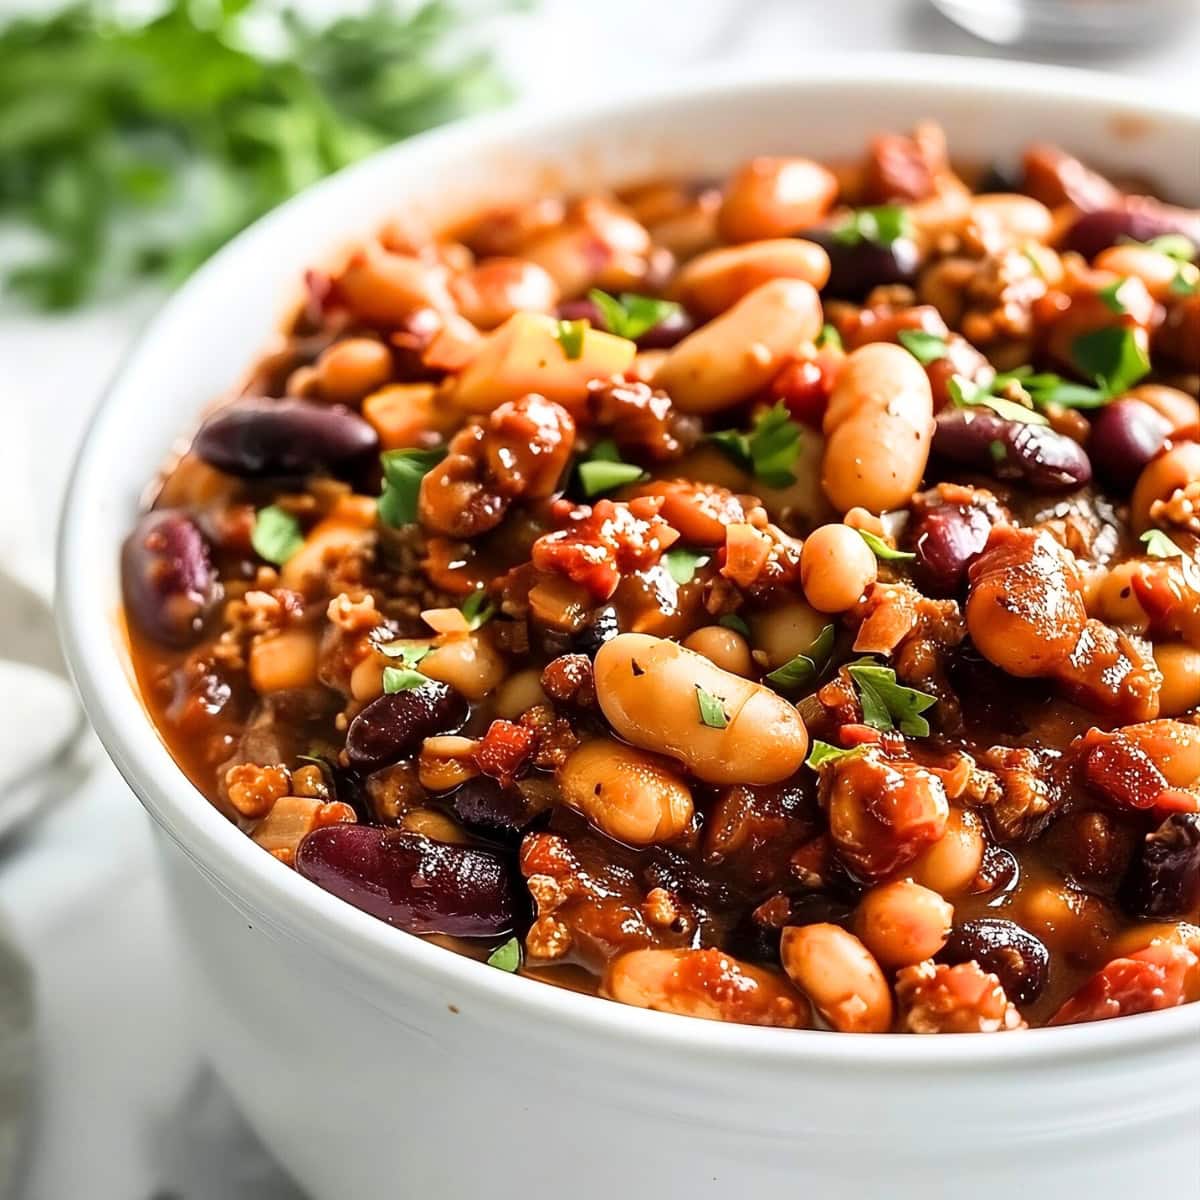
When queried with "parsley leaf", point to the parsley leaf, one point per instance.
{"points": [[408, 652], [881, 225], [506, 956], [712, 709], [477, 609], [966, 394], [1112, 356], [1173, 245], [681, 564], [569, 335], [1186, 281], [734, 622], [1111, 296], [403, 471], [603, 470], [630, 315], [828, 336], [1160, 545], [402, 679], [276, 535], [803, 670], [887, 704], [822, 753], [924, 347], [882, 550], [770, 448]]}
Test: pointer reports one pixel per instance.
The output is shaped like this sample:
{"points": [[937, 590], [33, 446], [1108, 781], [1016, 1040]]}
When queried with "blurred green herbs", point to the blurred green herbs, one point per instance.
{"points": [[137, 149]]}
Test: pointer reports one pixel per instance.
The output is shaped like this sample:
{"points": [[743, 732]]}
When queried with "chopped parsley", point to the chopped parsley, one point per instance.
{"points": [[712, 709], [402, 679], [276, 535], [1160, 545], [569, 335], [603, 470], [882, 550], [769, 449], [1112, 356], [965, 393], [409, 653], [1111, 296], [630, 315], [403, 471], [822, 753], [477, 609], [828, 336], [506, 956], [1186, 281], [924, 347], [887, 704], [682, 564], [734, 622], [804, 669], [1173, 245], [881, 225]]}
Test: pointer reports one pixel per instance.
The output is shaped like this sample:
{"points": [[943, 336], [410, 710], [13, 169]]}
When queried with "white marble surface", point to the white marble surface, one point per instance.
{"points": [[123, 1110]]}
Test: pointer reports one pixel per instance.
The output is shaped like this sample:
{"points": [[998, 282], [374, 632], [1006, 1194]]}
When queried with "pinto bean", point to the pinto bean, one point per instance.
{"points": [[1180, 668], [726, 648], [732, 357], [704, 983], [352, 367], [878, 430], [471, 665], [902, 923], [649, 690], [1174, 470], [785, 630], [772, 197], [287, 660], [1022, 218], [839, 975], [631, 796], [836, 568], [716, 281], [951, 864]]}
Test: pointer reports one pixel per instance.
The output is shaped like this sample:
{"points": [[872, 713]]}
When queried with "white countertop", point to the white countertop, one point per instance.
{"points": [[124, 1110]]}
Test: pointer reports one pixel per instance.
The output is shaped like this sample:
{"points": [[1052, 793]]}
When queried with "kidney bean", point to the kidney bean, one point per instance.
{"points": [[1164, 880], [261, 437], [1034, 454], [1012, 954], [409, 881], [854, 269], [603, 627], [946, 540], [1125, 436], [1139, 219], [395, 725], [484, 805], [168, 579]]}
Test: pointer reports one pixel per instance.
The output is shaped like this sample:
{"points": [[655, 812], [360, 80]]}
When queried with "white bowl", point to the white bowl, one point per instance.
{"points": [[379, 1066]]}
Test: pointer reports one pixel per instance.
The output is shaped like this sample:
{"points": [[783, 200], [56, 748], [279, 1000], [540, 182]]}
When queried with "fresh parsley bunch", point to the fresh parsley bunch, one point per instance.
{"points": [[136, 149]]}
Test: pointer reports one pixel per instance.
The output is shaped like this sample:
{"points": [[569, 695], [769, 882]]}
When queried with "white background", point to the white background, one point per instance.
{"points": [[123, 1111]]}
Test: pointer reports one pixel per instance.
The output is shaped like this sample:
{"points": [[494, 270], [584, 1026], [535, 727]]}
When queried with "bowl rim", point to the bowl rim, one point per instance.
{"points": [[370, 949]]}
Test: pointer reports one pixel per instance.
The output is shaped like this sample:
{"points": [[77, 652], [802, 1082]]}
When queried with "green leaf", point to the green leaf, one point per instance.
{"points": [[924, 347], [1173, 245], [887, 704], [409, 653], [822, 753], [603, 471], [829, 336], [1184, 284], [681, 564], [1111, 296], [803, 670], [1112, 356], [712, 709], [570, 336], [734, 622], [881, 225], [966, 394], [1160, 545], [769, 449], [477, 609], [506, 956], [631, 315], [403, 471], [276, 535], [402, 679], [882, 550]]}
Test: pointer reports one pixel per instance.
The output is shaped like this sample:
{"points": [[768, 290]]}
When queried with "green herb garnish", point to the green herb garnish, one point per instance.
{"points": [[603, 470], [409, 653], [881, 225], [712, 709], [1111, 296], [882, 550], [828, 336], [276, 535], [477, 609], [1185, 284], [1173, 245], [924, 347], [1160, 545], [402, 679], [506, 956], [403, 471], [1113, 357], [734, 622], [769, 449], [887, 704], [570, 336], [803, 670], [822, 753], [964, 393], [630, 315], [682, 564]]}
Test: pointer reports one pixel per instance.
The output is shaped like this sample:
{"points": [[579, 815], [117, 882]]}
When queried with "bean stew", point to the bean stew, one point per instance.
{"points": [[773, 600]]}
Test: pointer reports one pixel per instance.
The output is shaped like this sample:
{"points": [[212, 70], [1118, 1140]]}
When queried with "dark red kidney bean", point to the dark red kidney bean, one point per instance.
{"points": [[674, 327], [1139, 219], [603, 627], [1035, 454], [1164, 880], [1125, 436], [262, 437], [395, 725], [946, 540], [854, 269], [483, 805], [1012, 954], [582, 309], [410, 881], [167, 577]]}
